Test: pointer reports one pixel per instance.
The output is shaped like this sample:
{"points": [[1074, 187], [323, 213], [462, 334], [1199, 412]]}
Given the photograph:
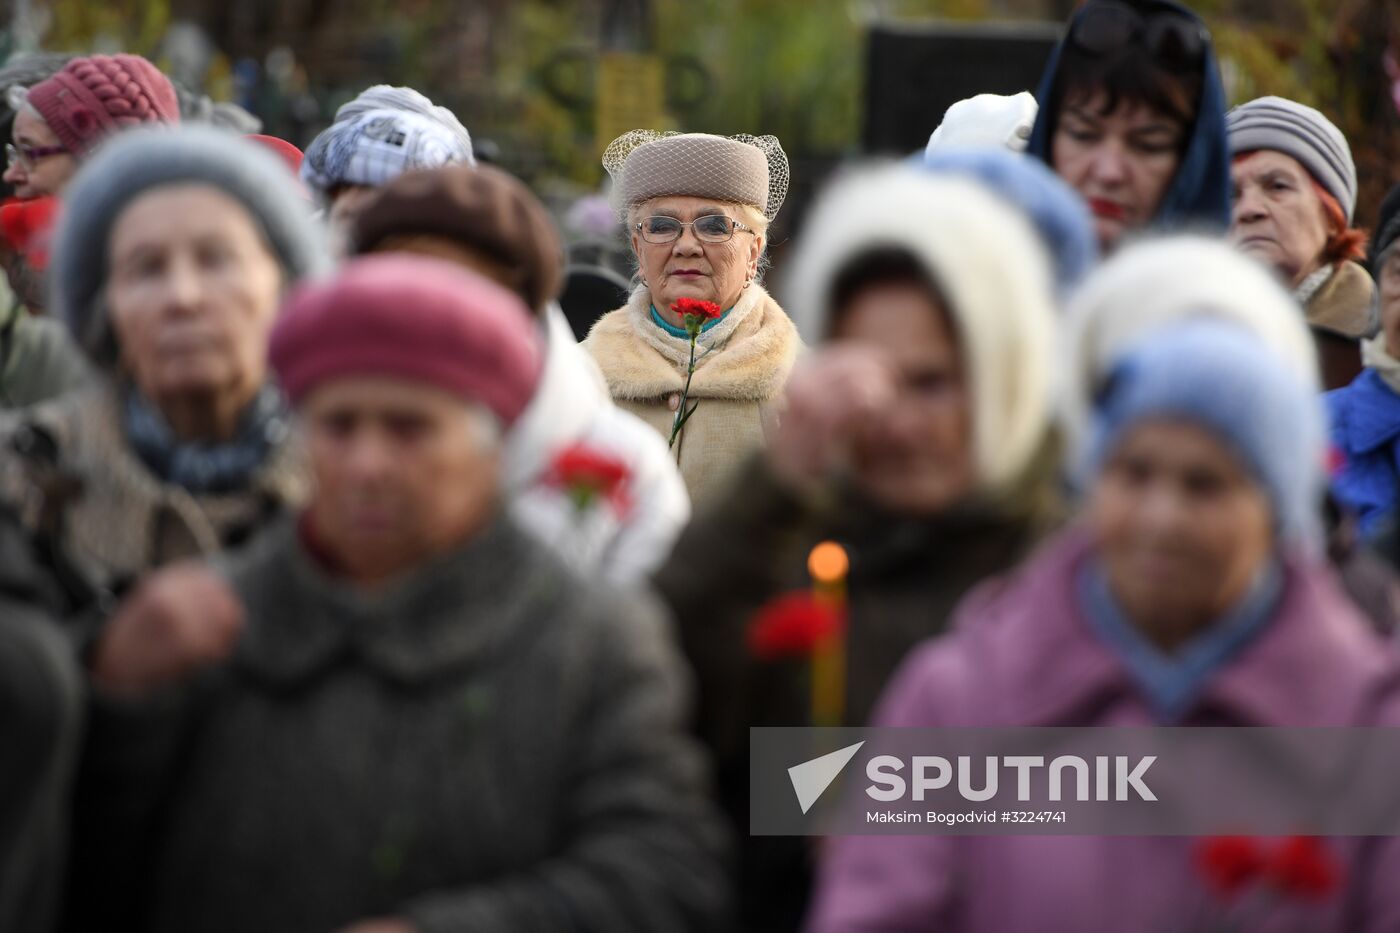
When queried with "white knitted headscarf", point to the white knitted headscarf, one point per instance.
{"points": [[1157, 282], [991, 270]]}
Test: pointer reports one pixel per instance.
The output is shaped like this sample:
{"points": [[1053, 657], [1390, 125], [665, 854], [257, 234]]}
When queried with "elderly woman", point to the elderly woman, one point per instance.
{"points": [[917, 433], [1295, 193], [64, 118], [1223, 284], [1191, 595], [487, 221], [425, 723], [58, 124], [375, 138], [169, 265], [1132, 117], [1365, 415], [61, 121], [697, 209]]}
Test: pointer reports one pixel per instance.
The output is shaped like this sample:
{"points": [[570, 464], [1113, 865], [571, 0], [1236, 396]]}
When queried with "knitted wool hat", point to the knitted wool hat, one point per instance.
{"points": [[993, 276], [1150, 284], [986, 121], [482, 208], [1297, 130], [140, 160], [290, 155], [1056, 209], [411, 317], [94, 97], [1215, 374]]}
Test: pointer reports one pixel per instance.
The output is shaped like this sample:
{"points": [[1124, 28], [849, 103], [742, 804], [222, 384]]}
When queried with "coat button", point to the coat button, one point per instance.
{"points": [[673, 401]]}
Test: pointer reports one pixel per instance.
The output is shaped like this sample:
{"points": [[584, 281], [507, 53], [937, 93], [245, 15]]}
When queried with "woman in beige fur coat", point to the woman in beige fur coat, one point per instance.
{"points": [[697, 208]]}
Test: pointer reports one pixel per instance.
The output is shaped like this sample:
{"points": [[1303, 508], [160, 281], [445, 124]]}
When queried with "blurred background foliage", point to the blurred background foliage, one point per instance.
{"points": [[523, 73]]}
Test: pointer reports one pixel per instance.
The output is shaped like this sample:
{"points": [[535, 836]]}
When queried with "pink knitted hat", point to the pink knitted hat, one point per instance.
{"points": [[93, 97], [414, 318]]}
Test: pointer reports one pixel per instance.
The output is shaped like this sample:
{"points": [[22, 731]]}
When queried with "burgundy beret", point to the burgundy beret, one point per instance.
{"points": [[420, 319], [93, 97]]}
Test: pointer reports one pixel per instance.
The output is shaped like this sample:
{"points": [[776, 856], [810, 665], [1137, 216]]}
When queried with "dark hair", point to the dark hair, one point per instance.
{"points": [[883, 265], [1127, 75]]}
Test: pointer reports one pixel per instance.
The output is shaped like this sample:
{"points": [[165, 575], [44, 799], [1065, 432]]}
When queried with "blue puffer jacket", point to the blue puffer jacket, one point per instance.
{"points": [[1365, 418], [1199, 196]]}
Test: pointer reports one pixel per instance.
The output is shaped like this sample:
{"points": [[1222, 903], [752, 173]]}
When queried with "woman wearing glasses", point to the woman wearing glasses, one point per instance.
{"points": [[697, 209], [1133, 119], [59, 123]]}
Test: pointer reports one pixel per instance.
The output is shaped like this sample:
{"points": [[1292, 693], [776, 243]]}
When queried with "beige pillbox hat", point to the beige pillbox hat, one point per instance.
{"points": [[646, 164]]}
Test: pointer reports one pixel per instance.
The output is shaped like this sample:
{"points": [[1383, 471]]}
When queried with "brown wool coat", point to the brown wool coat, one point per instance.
{"points": [[121, 520], [736, 383]]}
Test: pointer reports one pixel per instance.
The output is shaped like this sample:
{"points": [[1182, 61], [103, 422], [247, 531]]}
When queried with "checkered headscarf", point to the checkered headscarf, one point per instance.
{"points": [[371, 147]]}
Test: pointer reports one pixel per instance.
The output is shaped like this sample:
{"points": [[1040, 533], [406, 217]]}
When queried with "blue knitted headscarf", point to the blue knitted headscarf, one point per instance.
{"points": [[1216, 375]]}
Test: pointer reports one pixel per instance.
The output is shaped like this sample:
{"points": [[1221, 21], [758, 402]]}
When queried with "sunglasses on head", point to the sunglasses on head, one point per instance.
{"points": [[1176, 42]]}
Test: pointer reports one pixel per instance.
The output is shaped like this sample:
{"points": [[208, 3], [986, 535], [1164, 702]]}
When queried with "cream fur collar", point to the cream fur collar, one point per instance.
{"points": [[747, 356]]}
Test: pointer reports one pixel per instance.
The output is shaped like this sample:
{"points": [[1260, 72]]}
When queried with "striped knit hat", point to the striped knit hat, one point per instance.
{"points": [[1297, 130]]}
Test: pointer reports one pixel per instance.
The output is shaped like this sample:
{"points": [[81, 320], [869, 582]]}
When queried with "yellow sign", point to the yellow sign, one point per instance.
{"points": [[631, 94]]}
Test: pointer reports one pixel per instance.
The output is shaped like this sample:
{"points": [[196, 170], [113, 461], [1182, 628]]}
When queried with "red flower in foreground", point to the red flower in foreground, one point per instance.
{"points": [[1230, 863], [791, 625], [704, 310], [586, 475], [1304, 866], [1336, 461], [26, 225]]}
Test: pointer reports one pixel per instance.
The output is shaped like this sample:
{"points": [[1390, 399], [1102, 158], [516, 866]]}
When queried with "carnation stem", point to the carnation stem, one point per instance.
{"points": [[682, 414]]}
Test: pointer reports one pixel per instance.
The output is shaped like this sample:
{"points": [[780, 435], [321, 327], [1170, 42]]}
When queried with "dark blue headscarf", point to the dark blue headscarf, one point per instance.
{"points": [[1199, 196]]}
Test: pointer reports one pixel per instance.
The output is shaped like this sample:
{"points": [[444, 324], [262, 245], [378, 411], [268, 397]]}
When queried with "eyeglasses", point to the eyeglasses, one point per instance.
{"points": [[28, 157], [712, 228], [1175, 42]]}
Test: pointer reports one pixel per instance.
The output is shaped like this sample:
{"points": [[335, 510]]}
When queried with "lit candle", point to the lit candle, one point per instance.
{"points": [[829, 565]]}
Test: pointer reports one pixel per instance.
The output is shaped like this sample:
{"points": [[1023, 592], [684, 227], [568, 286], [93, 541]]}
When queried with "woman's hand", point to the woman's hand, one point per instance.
{"points": [[829, 396], [179, 619]]}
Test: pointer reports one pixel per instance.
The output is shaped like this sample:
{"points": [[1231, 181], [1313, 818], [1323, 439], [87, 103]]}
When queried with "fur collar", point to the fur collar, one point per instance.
{"points": [[746, 357], [1344, 302]]}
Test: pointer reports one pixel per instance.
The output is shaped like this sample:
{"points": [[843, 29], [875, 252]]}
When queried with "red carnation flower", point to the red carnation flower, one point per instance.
{"points": [[26, 226], [1336, 461], [791, 625], [1304, 866], [705, 310], [1230, 863], [587, 475]]}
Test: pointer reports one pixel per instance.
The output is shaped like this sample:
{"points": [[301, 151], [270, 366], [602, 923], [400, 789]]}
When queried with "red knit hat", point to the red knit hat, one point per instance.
{"points": [[421, 319], [282, 149], [93, 97]]}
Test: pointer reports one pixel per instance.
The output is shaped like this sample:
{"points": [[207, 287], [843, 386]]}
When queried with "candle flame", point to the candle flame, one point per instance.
{"points": [[828, 563]]}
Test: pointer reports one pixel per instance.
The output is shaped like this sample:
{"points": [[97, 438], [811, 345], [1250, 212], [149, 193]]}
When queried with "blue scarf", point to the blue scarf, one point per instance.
{"points": [[1173, 682], [202, 468], [681, 332]]}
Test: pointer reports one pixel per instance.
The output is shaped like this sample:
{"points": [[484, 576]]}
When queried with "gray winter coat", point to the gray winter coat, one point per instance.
{"points": [[488, 744]]}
